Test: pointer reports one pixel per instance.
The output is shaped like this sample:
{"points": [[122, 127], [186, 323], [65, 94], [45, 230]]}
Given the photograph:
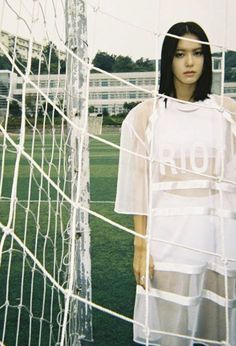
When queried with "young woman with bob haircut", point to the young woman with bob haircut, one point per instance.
{"points": [[177, 173]]}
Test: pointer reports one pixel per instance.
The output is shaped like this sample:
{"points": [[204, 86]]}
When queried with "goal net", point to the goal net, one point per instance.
{"points": [[51, 160], [45, 241]]}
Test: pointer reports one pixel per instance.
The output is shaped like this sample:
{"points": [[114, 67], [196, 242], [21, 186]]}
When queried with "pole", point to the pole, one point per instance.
{"points": [[80, 315]]}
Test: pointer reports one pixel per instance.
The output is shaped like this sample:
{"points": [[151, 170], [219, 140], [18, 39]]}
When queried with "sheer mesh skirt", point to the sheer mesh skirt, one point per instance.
{"points": [[187, 294]]}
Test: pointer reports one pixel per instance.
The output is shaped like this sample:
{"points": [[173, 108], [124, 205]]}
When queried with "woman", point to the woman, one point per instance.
{"points": [[176, 176]]}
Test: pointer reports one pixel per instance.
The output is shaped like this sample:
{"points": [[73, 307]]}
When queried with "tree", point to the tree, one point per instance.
{"points": [[144, 65], [35, 65], [105, 112], [5, 63], [104, 61], [129, 105], [51, 111], [120, 63], [14, 108], [62, 66], [50, 60], [123, 64], [19, 61], [30, 102], [91, 109]]}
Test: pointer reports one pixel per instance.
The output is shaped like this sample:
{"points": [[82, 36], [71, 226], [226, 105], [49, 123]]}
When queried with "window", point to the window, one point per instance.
{"points": [[115, 83], [93, 96], [104, 96], [28, 85], [53, 83], [217, 64], [147, 82], [43, 83], [140, 81], [104, 107], [132, 95], [230, 90], [132, 80], [62, 83], [104, 82], [93, 83], [140, 94]]}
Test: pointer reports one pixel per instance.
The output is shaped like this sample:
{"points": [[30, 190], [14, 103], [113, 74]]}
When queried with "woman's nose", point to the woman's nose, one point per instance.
{"points": [[189, 60]]}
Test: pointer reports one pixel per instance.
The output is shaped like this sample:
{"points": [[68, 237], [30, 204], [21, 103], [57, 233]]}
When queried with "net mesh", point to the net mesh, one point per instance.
{"points": [[38, 139]]}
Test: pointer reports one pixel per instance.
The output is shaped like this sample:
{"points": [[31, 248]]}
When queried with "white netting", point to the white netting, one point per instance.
{"points": [[43, 185]]}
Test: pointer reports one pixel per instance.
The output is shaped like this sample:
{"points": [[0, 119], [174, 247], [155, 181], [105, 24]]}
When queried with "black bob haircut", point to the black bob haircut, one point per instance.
{"points": [[203, 87]]}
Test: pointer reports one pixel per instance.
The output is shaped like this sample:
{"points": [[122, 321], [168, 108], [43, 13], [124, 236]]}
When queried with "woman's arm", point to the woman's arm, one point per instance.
{"points": [[140, 250]]}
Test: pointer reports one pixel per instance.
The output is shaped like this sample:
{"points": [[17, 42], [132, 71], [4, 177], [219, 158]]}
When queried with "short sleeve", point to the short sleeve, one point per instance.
{"points": [[132, 183]]}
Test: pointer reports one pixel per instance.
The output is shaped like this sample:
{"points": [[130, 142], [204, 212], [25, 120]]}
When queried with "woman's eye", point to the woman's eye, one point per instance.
{"points": [[198, 53], [179, 55]]}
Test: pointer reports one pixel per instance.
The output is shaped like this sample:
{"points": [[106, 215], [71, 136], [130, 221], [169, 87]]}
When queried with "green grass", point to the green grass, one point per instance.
{"points": [[111, 249], [115, 120]]}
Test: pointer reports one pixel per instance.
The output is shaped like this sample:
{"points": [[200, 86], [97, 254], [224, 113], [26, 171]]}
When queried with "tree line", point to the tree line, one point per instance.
{"points": [[119, 63], [112, 63], [49, 63]]}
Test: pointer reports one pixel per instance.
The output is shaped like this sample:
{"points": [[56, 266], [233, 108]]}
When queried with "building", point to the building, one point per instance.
{"points": [[8, 82], [22, 46], [230, 89], [109, 94], [106, 94]]}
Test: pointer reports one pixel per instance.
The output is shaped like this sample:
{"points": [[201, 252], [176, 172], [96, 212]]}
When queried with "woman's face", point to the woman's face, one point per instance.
{"points": [[188, 62]]}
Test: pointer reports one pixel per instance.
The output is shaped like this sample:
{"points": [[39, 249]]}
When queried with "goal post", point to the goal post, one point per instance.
{"points": [[77, 79]]}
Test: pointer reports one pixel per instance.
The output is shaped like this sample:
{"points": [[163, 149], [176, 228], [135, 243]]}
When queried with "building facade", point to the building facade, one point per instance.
{"points": [[110, 95], [106, 94], [21, 45]]}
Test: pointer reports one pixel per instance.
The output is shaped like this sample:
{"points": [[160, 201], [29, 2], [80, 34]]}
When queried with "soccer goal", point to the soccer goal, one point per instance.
{"points": [[49, 156], [45, 243]]}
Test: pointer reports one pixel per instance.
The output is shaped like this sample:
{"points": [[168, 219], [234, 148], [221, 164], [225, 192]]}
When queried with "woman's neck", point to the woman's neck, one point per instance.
{"points": [[184, 92]]}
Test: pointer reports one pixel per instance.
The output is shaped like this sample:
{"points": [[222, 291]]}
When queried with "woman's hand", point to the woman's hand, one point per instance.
{"points": [[139, 264], [140, 252]]}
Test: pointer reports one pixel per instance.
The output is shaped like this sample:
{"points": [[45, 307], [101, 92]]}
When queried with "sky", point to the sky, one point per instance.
{"points": [[125, 27]]}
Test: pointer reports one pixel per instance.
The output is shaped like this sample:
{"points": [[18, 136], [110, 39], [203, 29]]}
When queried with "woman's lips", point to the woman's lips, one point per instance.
{"points": [[189, 73]]}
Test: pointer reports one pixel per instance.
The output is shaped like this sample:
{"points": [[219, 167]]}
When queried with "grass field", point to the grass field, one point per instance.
{"points": [[111, 252]]}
